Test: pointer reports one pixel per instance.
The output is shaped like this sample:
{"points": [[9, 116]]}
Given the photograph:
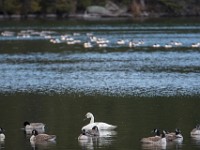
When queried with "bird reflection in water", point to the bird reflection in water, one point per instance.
{"points": [[95, 138], [2, 144], [153, 146], [42, 145]]}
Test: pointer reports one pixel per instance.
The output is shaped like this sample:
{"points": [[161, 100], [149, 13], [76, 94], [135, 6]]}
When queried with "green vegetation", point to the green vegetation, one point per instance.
{"points": [[60, 7], [171, 5]]}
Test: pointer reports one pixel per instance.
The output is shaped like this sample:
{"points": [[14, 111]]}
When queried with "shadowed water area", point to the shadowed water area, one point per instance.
{"points": [[47, 75]]}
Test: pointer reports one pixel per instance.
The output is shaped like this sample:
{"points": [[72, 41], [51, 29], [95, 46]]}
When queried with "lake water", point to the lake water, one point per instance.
{"points": [[46, 75]]}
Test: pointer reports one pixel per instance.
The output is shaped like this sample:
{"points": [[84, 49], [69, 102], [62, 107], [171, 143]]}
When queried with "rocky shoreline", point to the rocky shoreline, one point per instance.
{"points": [[112, 10]]}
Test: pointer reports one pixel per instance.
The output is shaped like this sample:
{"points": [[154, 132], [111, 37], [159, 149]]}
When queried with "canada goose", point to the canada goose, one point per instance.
{"points": [[100, 125], [2, 135], [174, 136], [85, 135], [195, 131], [159, 139], [93, 132], [41, 137], [29, 127]]}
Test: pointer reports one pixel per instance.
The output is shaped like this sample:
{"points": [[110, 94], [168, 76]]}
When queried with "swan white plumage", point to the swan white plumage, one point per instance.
{"points": [[100, 125]]}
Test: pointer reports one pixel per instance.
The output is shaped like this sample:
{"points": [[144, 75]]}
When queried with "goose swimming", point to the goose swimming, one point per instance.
{"points": [[174, 136], [159, 139], [41, 137], [196, 131], [2, 135], [100, 125], [85, 135]]}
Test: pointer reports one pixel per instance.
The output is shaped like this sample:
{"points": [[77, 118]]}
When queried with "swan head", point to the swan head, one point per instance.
{"points": [[89, 115]]}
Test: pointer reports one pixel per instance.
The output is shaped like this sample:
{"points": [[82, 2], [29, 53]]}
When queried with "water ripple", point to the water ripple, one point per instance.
{"points": [[123, 74]]}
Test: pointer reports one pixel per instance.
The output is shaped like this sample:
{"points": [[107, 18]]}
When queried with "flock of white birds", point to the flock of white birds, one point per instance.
{"points": [[89, 40]]}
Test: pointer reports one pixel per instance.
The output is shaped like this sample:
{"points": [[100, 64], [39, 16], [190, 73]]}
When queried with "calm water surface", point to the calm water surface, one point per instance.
{"points": [[136, 88]]}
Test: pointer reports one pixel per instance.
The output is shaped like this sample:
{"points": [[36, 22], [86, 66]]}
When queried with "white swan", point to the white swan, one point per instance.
{"points": [[100, 125]]}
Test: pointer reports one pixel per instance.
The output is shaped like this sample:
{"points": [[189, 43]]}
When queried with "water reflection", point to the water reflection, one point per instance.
{"points": [[2, 144], [169, 145], [94, 142], [153, 146], [175, 144], [195, 139], [43, 145], [90, 141]]}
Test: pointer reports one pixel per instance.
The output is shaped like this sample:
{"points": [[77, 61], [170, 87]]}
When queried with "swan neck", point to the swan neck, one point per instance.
{"points": [[92, 119]]}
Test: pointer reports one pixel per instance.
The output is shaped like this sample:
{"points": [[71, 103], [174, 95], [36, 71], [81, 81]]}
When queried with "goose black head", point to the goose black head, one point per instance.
{"points": [[83, 132], [198, 126], [1, 130], [177, 131], [156, 131], [34, 132], [26, 123], [95, 128], [163, 134]]}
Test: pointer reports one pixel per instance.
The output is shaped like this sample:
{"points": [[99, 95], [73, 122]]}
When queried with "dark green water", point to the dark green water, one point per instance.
{"points": [[136, 88], [63, 116]]}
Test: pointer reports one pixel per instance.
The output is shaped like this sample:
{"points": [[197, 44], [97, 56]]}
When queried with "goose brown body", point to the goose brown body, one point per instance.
{"points": [[174, 136], [159, 139], [41, 137]]}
